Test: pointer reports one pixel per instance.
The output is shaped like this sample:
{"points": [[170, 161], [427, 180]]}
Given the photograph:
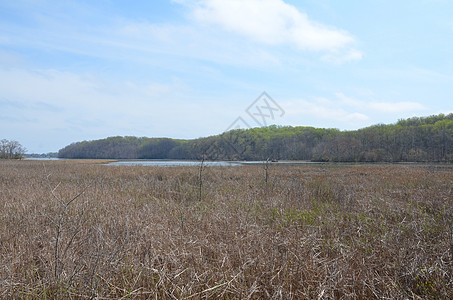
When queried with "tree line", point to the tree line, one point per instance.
{"points": [[11, 149], [417, 139]]}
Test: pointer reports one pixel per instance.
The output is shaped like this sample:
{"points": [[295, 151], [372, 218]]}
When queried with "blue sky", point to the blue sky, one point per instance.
{"points": [[82, 70]]}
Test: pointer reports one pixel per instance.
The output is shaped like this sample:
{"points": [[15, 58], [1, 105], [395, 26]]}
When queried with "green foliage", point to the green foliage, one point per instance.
{"points": [[118, 147], [412, 140]]}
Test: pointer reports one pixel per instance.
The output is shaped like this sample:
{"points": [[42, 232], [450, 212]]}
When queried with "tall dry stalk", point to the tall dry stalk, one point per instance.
{"points": [[200, 178], [266, 170], [59, 222], [330, 231], [451, 242]]}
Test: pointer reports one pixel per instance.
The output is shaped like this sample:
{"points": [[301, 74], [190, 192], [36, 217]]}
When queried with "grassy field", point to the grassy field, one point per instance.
{"points": [[83, 230]]}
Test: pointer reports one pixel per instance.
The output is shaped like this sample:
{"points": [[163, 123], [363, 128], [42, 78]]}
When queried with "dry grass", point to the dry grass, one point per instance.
{"points": [[311, 232]]}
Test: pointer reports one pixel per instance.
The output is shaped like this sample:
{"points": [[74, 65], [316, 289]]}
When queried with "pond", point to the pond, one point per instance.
{"points": [[181, 163], [186, 163], [172, 163]]}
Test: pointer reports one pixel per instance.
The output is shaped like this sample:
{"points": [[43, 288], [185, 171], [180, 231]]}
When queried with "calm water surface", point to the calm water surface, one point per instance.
{"points": [[182, 163], [172, 163], [179, 163]]}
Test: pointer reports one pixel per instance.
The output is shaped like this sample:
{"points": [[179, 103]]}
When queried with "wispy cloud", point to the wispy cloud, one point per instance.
{"points": [[397, 107], [350, 112], [89, 107], [236, 32], [319, 110], [381, 106], [188, 41], [271, 22], [188, 68], [339, 57], [275, 23]]}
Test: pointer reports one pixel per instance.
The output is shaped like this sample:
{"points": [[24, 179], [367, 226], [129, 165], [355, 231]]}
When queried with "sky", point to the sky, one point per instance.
{"points": [[74, 70]]}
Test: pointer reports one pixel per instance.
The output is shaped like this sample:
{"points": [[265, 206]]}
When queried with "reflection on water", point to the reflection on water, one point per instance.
{"points": [[180, 163], [42, 158], [172, 163]]}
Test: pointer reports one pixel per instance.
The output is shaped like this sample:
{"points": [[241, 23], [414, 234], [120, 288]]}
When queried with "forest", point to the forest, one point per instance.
{"points": [[417, 139]]}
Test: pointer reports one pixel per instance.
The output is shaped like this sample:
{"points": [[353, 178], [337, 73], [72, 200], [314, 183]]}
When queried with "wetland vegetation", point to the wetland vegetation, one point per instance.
{"points": [[77, 230]]}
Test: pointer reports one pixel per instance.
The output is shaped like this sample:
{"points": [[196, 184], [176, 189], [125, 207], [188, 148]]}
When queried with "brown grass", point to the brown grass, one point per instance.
{"points": [[311, 232]]}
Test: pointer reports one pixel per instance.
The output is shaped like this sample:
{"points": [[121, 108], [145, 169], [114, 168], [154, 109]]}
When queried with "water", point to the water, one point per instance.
{"points": [[181, 163], [172, 163], [42, 158]]}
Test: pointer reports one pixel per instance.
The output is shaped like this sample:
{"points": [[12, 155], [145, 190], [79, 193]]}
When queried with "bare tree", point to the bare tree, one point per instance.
{"points": [[11, 149]]}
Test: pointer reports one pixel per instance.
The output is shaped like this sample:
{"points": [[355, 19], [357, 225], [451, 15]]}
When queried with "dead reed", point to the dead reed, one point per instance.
{"points": [[72, 230]]}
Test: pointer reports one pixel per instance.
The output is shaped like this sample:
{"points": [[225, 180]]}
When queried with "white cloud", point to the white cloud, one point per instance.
{"points": [[347, 112], [341, 57], [189, 42], [272, 22], [354, 117], [350, 101], [84, 95], [396, 107], [381, 106], [324, 109], [215, 33], [63, 107]]}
